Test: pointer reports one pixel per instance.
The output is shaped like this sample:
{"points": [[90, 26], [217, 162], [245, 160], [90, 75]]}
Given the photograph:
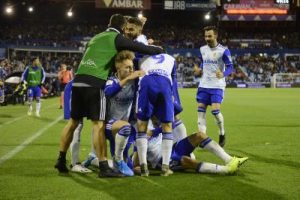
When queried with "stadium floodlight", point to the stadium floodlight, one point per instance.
{"points": [[207, 16], [9, 10], [140, 15], [30, 9], [70, 13]]}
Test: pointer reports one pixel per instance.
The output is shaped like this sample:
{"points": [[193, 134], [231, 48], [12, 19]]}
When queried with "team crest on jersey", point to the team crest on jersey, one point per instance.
{"points": [[109, 82], [215, 55]]}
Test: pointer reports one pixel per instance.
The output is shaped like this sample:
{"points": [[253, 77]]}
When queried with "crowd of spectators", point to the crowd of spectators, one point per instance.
{"points": [[248, 68], [72, 36]]}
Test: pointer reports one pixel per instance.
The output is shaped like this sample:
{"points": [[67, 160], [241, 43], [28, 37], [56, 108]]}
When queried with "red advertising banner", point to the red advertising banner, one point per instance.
{"points": [[257, 7], [124, 4]]}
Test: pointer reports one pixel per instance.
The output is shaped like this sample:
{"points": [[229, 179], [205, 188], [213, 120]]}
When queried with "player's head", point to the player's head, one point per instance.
{"points": [[210, 35], [133, 27], [124, 63], [36, 62], [117, 21], [63, 67]]}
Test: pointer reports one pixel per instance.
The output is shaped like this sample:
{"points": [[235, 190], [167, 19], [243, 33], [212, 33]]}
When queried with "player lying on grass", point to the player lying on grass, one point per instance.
{"points": [[180, 157]]}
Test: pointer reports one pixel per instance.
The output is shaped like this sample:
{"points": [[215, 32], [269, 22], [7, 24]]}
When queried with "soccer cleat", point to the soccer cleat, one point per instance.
{"points": [[61, 166], [29, 113], [242, 160], [233, 165], [123, 168], [165, 170], [37, 114], [81, 169], [222, 140], [89, 160], [106, 171], [144, 170], [175, 165]]}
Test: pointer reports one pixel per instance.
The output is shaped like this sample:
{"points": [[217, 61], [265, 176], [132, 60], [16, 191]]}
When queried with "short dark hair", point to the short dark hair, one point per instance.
{"points": [[136, 21], [117, 21], [209, 28]]}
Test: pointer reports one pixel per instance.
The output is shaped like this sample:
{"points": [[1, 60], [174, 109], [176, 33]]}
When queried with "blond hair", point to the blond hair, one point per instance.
{"points": [[124, 55]]}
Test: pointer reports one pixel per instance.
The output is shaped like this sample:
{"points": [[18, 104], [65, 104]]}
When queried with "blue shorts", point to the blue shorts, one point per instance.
{"points": [[177, 108], [67, 100], [34, 91], [181, 148], [177, 103], [209, 96], [155, 98]]}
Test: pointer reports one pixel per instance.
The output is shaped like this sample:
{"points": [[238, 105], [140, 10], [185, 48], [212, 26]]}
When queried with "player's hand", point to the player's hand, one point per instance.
{"points": [[136, 74], [150, 41], [219, 74], [143, 20], [197, 71]]}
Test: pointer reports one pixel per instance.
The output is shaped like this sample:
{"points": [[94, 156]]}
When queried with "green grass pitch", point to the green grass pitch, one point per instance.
{"points": [[263, 124]]}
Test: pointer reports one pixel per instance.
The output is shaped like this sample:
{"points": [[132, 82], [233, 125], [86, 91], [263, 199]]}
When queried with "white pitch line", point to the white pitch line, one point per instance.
{"points": [[12, 121], [21, 117], [27, 141]]}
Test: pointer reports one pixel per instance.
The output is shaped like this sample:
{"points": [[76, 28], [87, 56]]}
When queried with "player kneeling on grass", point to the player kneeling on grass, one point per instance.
{"points": [[180, 157]]}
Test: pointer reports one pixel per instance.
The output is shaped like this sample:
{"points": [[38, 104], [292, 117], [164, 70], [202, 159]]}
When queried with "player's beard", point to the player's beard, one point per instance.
{"points": [[210, 43], [132, 36]]}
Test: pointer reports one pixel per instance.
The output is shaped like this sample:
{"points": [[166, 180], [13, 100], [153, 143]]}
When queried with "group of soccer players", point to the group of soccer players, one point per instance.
{"points": [[142, 88]]}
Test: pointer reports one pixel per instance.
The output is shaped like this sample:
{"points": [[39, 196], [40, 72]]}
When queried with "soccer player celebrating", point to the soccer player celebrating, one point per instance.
{"points": [[216, 64], [181, 150], [34, 76], [120, 90], [155, 98], [75, 144], [88, 99], [120, 93], [133, 30]]}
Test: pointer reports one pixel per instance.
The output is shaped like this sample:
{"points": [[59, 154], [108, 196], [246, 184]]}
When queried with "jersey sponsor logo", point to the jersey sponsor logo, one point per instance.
{"points": [[160, 72], [208, 61], [89, 63]]}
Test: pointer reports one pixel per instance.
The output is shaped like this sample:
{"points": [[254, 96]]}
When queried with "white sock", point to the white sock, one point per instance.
{"points": [[38, 107], [179, 131], [95, 162], [220, 121], [142, 146], [212, 168], [75, 145], [216, 149], [30, 104], [121, 141], [202, 120], [166, 147]]}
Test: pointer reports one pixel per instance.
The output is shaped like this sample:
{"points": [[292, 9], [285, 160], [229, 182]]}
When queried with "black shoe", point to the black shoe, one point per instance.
{"points": [[61, 166], [106, 171], [222, 140]]}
